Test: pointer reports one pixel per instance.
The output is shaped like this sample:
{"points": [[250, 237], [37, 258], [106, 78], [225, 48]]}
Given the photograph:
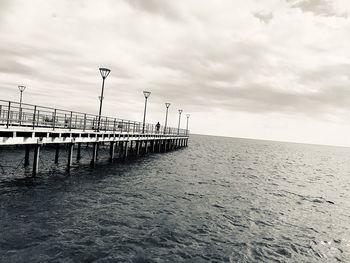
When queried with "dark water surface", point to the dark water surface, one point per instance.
{"points": [[219, 200]]}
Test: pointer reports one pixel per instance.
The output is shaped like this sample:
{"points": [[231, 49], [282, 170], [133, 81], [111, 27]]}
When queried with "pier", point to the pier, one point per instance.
{"points": [[34, 126]]}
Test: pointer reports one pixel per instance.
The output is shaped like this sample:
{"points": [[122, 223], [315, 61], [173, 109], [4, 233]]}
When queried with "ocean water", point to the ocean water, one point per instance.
{"points": [[218, 200]]}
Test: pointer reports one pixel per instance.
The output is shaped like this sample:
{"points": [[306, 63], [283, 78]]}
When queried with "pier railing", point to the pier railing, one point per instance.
{"points": [[14, 114]]}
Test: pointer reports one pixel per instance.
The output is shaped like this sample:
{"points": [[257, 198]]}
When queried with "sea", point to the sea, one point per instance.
{"points": [[217, 200]]}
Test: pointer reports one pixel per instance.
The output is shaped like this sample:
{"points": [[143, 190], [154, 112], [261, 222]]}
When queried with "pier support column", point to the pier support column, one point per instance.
{"points": [[131, 149], [165, 145], [57, 153], [152, 145], [97, 148], [36, 159], [120, 149], [137, 148], [26, 156], [126, 151], [169, 145], [79, 152], [111, 151], [146, 147], [94, 153], [70, 156]]}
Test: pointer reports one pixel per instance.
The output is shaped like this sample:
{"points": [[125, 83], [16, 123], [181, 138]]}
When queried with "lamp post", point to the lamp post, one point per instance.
{"points": [[188, 116], [178, 127], [167, 104], [104, 73], [146, 94], [21, 89]]}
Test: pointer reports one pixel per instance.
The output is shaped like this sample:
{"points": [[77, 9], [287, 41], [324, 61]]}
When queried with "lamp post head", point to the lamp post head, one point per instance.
{"points": [[180, 111], [187, 115], [167, 104], [104, 72], [146, 93], [21, 88]]}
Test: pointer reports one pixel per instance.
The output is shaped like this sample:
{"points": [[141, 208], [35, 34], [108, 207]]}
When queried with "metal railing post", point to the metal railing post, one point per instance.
{"points": [[97, 123], [84, 122], [54, 119], [37, 121], [8, 115], [70, 120], [34, 117]]}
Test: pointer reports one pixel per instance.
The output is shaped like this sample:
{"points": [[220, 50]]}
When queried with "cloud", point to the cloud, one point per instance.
{"points": [[166, 9], [264, 17], [339, 8]]}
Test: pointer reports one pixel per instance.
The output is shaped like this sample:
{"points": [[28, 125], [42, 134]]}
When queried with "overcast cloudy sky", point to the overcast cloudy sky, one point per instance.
{"points": [[270, 69]]}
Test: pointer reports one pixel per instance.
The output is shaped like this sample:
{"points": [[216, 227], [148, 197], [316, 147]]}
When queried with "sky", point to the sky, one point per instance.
{"points": [[264, 69]]}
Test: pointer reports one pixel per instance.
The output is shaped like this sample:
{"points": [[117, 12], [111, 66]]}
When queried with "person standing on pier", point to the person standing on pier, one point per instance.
{"points": [[158, 126]]}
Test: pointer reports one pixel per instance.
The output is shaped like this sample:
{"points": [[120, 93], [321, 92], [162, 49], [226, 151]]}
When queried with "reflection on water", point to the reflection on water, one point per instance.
{"points": [[220, 199]]}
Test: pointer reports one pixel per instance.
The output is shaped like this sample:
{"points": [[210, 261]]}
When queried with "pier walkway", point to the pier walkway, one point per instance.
{"points": [[35, 126]]}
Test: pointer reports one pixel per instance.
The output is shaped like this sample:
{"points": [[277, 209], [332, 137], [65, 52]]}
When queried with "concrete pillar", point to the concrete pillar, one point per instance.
{"points": [[137, 148], [146, 147], [26, 156], [153, 144], [70, 155], [165, 145], [36, 159], [130, 145], [94, 153], [169, 145], [121, 150], [79, 152], [111, 151], [126, 151], [57, 153], [159, 146]]}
